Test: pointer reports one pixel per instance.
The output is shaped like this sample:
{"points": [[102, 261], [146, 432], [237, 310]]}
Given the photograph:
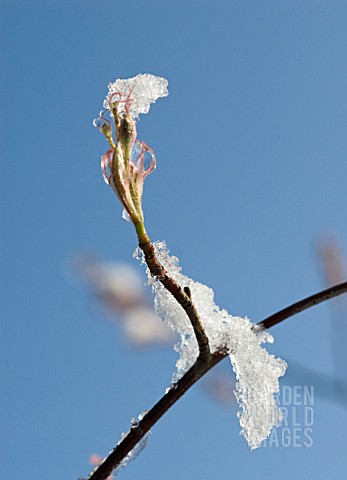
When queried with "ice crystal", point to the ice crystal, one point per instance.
{"points": [[134, 453], [138, 92], [257, 371]]}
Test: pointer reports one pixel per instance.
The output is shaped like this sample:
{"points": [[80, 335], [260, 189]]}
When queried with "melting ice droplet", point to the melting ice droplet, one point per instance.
{"points": [[125, 215], [142, 157], [99, 122], [135, 152]]}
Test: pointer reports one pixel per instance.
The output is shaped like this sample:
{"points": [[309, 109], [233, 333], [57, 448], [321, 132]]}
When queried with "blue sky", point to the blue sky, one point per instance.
{"points": [[251, 153]]}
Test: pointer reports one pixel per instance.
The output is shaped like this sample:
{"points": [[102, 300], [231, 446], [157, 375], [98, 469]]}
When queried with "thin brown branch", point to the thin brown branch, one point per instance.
{"points": [[304, 304], [199, 369], [183, 296], [137, 432]]}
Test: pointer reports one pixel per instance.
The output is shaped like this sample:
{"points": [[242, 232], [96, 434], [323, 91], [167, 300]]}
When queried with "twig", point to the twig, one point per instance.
{"points": [[165, 403], [199, 369], [183, 296], [303, 305]]}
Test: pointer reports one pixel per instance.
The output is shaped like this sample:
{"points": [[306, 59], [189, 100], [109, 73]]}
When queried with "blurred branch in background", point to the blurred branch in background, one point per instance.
{"points": [[332, 386], [219, 385], [333, 267], [120, 291]]}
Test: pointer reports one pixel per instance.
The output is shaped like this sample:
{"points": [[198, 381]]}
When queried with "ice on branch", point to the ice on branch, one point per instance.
{"points": [[132, 455], [139, 92], [135, 452], [257, 371]]}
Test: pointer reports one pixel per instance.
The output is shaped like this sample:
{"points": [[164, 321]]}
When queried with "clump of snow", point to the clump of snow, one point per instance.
{"points": [[139, 92], [257, 372]]}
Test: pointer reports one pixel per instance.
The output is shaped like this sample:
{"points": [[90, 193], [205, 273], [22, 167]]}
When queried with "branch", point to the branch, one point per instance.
{"points": [[137, 432], [199, 369], [304, 304], [183, 296]]}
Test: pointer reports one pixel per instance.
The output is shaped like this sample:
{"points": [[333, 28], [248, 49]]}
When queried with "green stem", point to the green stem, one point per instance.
{"points": [[141, 231]]}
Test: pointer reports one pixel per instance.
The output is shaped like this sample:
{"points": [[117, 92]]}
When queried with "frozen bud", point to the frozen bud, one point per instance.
{"points": [[126, 165], [127, 175]]}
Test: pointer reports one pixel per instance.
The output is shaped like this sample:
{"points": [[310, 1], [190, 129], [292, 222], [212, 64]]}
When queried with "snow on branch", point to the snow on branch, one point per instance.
{"points": [[257, 371], [139, 92]]}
